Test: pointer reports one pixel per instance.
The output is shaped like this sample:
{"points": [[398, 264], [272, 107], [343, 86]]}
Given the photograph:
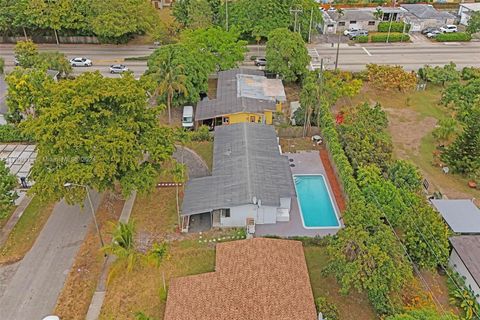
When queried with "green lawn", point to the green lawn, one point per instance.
{"points": [[25, 232], [204, 149], [4, 220]]}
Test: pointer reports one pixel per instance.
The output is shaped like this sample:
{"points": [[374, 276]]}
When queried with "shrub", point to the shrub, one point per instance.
{"points": [[2, 65], [362, 39], [391, 77], [394, 37], [395, 27], [328, 309], [201, 134], [9, 133], [470, 73], [454, 37]]}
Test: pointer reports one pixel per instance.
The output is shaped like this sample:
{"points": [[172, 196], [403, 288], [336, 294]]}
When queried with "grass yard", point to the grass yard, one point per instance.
{"points": [[413, 116], [25, 232], [204, 149], [82, 280], [353, 306], [4, 220], [297, 144]]}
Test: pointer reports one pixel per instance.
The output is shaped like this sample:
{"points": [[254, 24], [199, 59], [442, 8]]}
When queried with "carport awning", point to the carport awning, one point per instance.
{"points": [[462, 216]]}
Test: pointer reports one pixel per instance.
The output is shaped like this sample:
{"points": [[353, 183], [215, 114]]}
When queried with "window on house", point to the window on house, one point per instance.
{"points": [[341, 24], [371, 23], [331, 25], [252, 118], [226, 120], [353, 21], [225, 213]]}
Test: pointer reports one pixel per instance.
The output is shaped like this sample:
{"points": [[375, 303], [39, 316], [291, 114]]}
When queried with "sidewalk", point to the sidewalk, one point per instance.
{"points": [[17, 214]]}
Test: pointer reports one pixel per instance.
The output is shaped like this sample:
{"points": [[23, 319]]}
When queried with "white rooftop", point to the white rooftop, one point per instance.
{"points": [[471, 6], [462, 215]]}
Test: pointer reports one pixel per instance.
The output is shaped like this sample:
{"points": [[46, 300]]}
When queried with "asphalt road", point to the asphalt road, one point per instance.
{"points": [[411, 56], [32, 291]]}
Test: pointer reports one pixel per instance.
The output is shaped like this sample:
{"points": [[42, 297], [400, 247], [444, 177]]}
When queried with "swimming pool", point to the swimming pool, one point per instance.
{"points": [[315, 203]]}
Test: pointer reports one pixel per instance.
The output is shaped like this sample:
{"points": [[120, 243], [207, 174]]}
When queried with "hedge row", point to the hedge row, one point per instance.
{"points": [[395, 27], [9, 133], [394, 37], [362, 39], [454, 36]]}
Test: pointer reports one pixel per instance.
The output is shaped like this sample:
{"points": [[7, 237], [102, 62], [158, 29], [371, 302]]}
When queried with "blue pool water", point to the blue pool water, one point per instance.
{"points": [[315, 203]]}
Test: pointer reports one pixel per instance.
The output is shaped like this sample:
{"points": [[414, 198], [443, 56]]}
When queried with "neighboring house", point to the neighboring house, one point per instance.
{"points": [[421, 16], [250, 180], [264, 279], [465, 259], [465, 11], [462, 215], [243, 95], [363, 18]]}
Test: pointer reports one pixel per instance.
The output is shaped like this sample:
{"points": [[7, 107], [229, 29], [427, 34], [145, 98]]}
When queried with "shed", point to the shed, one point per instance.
{"points": [[465, 259], [461, 215]]}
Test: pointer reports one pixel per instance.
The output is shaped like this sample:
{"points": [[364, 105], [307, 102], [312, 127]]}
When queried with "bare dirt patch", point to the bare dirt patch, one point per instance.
{"points": [[408, 128]]}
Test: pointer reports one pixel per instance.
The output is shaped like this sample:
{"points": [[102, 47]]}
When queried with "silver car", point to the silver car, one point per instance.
{"points": [[118, 68], [81, 62]]}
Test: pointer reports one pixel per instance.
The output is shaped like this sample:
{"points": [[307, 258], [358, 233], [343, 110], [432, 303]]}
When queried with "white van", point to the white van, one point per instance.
{"points": [[187, 118]]}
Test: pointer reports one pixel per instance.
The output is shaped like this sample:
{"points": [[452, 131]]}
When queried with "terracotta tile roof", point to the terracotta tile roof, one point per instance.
{"points": [[256, 279]]}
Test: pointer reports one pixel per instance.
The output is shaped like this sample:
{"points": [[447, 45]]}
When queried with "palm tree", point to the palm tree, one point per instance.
{"points": [[378, 14], [171, 80]]}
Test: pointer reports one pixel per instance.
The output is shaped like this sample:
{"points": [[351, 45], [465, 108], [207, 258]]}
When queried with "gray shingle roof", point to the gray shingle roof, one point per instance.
{"points": [[468, 249], [246, 163], [426, 11], [228, 101], [461, 215]]}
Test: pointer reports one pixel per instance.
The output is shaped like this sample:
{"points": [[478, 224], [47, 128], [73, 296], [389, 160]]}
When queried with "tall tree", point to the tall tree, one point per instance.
{"points": [[8, 182], [200, 14], [26, 53], [99, 132], [287, 55], [474, 22]]}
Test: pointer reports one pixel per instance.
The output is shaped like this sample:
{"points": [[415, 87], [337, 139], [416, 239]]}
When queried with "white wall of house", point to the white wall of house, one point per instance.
{"points": [[262, 214], [464, 13], [457, 264]]}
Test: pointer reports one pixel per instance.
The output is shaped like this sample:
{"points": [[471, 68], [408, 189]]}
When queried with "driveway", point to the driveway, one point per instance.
{"points": [[32, 291]]}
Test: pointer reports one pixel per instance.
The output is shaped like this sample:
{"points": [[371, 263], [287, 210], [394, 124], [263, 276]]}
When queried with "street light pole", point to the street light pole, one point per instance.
{"points": [[226, 15], [67, 185]]}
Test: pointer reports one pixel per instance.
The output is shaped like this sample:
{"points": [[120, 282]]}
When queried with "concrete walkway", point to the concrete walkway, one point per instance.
{"points": [[33, 291], [99, 295]]}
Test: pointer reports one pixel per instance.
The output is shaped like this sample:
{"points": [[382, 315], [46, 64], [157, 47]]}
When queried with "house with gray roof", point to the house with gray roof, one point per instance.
{"points": [[466, 10], [461, 215], [250, 180], [465, 259], [421, 16], [363, 18], [243, 95]]}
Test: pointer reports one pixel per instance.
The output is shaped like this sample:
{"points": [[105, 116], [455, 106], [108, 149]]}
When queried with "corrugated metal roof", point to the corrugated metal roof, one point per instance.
{"points": [[468, 249], [246, 163], [229, 100], [461, 215]]}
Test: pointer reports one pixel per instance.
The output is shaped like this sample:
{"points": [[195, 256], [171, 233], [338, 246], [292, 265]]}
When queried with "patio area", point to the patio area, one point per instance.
{"points": [[307, 162]]}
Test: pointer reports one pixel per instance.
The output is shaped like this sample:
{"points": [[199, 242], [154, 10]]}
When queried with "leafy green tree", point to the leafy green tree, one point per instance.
{"points": [[441, 75], [99, 132], [370, 261], [446, 130], [422, 314], [27, 90], [474, 23], [391, 77], [196, 65], [463, 155], [8, 182], [225, 46], [405, 175], [2, 66], [26, 53], [171, 80], [462, 98], [328, 309], [200, 14], [54, 61], [287, 55]]}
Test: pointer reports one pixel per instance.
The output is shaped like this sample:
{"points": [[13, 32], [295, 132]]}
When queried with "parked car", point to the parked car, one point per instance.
{"points": [[358, 33], [449, 28], [16, 62], [332, 9], [350, 30], [81, 62], [118, 68], [260, 62], [428, 30], [433, 34], [187, 117]]}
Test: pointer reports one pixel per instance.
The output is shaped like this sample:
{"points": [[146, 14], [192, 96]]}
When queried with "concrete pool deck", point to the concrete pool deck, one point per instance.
{"points": [[307, 162]]}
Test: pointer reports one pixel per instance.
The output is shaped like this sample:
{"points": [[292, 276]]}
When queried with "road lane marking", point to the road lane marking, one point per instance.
{"points": [[366, 51]]}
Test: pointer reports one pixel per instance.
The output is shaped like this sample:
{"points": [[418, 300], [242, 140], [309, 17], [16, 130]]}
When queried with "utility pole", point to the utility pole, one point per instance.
{"points": [[338, 51], [295, 11], [226, 15], [310, 28]]}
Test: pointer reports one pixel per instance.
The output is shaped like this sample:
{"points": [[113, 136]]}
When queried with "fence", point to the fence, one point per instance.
{"points": [[51, 39]]}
